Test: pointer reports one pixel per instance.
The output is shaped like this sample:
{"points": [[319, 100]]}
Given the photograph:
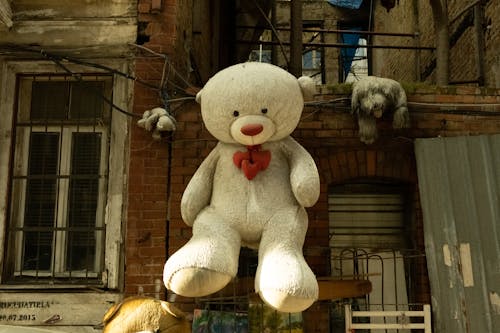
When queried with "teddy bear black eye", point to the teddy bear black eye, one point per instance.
{"points": [[236, 113], [264, 111]]}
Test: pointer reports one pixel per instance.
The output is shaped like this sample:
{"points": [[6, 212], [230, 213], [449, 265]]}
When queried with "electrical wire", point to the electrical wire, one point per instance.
{"points": [[79, 78], [60, 59], [176, 72], [454, 104], [451, 108]]}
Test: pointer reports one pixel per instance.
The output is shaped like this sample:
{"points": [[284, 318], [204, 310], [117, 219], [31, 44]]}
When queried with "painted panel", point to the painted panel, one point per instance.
{"points": [[459, 182], [55, 309]]}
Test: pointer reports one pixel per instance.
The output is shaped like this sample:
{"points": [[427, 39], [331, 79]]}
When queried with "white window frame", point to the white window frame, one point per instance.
{"points": [[114, 214], [18, 196], [64, 168]]}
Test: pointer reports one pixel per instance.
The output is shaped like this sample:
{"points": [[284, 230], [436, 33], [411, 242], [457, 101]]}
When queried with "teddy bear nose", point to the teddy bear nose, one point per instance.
{"points": [[252, 129]]}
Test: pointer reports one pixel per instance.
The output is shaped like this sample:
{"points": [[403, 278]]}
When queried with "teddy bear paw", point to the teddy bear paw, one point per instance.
{"points": [[196, 282], [284, 302]]}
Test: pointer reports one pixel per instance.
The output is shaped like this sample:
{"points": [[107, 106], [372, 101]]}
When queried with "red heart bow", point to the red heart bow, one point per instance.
{"points": [[252, 161]]}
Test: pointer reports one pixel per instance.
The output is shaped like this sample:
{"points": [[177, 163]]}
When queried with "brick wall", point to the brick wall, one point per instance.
{"points": [[330, 135], [416, 16], [393, 63], [145, 241]]}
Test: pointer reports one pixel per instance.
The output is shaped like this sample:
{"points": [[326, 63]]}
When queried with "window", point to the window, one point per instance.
{"points": [[368, 240], [372, 218], [359, 63], [64, 182], [354, 63], [59, 178]]}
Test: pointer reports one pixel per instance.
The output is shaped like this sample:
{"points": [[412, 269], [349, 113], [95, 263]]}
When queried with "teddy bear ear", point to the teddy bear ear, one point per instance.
{"points": [[198, 97], [308, 87]]}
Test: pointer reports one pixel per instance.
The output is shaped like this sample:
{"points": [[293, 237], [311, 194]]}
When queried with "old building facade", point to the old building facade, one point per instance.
{"points": [[89, 202]]}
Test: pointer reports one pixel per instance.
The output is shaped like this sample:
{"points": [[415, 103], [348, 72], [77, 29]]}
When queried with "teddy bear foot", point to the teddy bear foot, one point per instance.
{"points": [[285, 302], [195, 282]]}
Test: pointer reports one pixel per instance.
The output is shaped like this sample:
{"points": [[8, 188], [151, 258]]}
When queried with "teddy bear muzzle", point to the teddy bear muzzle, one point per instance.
{"points": [[251, 130]]}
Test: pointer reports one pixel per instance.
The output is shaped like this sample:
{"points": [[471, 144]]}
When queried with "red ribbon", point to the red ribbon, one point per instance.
{"points": [[252, 161]]}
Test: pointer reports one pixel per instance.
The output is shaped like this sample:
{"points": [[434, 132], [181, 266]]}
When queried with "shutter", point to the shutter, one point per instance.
{"points": [[40, 200], [366, 220], [83, 196]]}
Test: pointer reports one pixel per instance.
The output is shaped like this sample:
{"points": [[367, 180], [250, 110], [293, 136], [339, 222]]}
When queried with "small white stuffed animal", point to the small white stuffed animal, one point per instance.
{"points": [[371, 97], [156, 121], [251, 190]]}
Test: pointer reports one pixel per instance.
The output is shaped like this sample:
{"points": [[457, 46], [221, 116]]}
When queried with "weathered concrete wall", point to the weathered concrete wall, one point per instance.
{"points": [[83, 28]]}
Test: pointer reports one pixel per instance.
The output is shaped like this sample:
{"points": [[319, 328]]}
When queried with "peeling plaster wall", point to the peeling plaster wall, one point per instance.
{"points": [[83, 28]]}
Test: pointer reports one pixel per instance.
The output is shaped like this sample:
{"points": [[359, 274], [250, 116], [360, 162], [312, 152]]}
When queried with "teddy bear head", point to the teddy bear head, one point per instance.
{"points": [[252, 103]]}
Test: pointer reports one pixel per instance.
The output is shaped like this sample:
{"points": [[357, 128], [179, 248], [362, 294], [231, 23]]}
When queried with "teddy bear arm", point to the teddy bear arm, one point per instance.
{"points": [[304, 176], [199, 190]]}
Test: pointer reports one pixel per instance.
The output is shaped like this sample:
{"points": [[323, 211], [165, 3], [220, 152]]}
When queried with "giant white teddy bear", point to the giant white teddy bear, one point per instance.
{"points": [[251, 190]]}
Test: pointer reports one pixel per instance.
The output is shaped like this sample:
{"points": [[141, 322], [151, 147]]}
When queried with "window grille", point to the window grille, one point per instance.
{"points": [[373, 220], [56, 231]]}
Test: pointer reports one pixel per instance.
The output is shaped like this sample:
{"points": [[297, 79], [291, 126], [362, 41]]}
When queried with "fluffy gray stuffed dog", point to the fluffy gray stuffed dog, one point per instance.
{"points": [[373, 96]]}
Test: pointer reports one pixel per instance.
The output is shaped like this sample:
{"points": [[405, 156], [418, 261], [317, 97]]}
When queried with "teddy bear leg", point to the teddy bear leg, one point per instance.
{"points": [[284, 280], [207, 262]]}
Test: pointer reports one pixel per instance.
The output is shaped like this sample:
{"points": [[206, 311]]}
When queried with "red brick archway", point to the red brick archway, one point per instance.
{"points": [[370, 165]]}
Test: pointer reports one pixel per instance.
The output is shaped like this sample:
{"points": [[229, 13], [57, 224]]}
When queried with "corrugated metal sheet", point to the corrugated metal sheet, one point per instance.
{"points": [[459, 182]]}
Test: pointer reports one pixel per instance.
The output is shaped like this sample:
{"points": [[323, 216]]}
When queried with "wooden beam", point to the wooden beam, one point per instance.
{"points": [[329, 288], [479, 37], [335, 289], [296, 37]]}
